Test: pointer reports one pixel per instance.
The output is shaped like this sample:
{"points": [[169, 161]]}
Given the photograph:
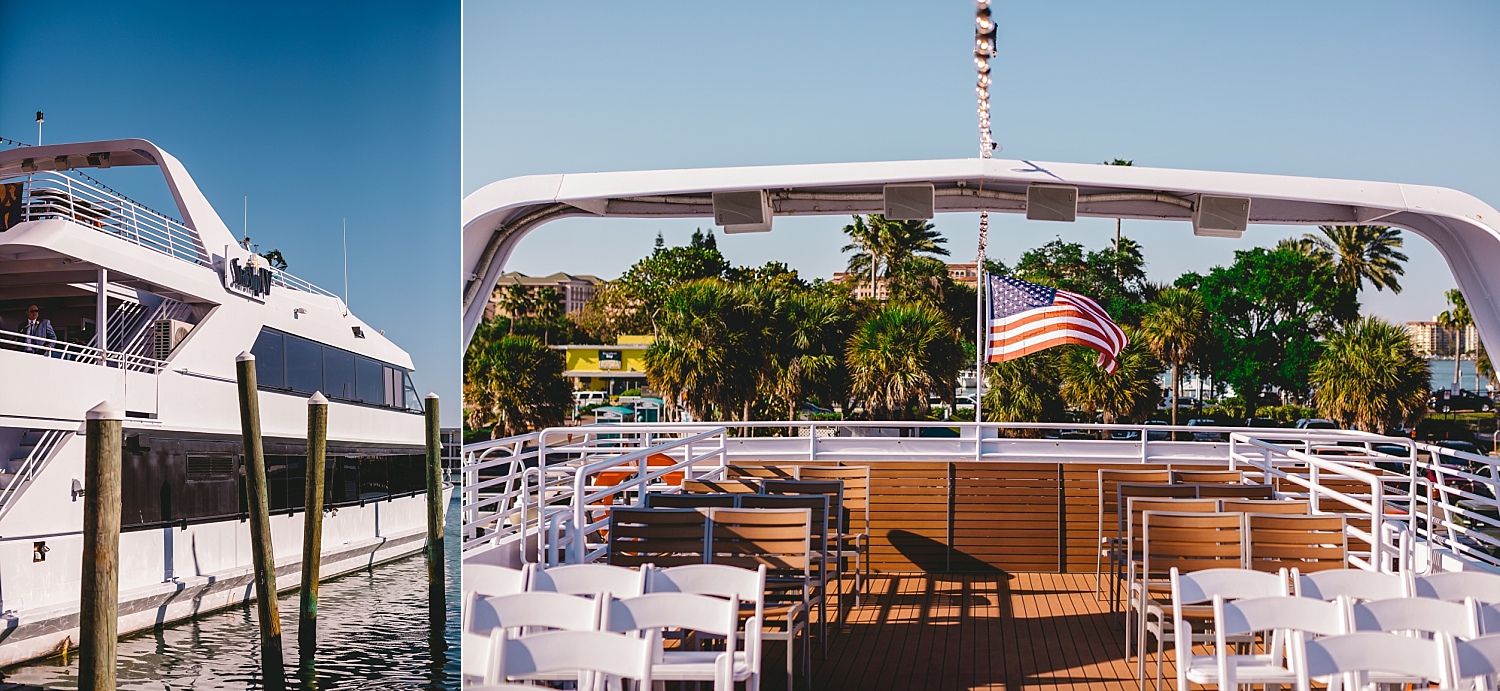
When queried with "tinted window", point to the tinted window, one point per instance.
{"points": [[413, 401], [338, 374], [371, 376], [270, 366], [304, 365]]}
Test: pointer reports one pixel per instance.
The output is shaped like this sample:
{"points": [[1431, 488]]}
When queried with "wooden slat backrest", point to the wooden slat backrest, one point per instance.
{"points": [[760, 471], [691, 501], [817, 504], [833, 489], [856, 503], [665, 537], [1207, 477], [1138, 505], [1276, 506], [1306, 543], [1235, 491], [732, 486], [778, 538], [1111, 478], [1191, 541]]}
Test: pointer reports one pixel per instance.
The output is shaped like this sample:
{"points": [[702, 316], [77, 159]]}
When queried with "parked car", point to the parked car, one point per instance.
{"points": [[1266, 422], [1445, 401], [1315, 423], [1206, 436]]}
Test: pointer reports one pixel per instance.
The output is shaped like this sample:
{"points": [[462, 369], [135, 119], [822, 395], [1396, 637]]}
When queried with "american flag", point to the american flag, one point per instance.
{"points": [[1026, 318]]}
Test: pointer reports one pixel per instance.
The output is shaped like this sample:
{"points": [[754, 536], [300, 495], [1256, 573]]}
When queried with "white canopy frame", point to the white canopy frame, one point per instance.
{"points": [[1465, 230]]}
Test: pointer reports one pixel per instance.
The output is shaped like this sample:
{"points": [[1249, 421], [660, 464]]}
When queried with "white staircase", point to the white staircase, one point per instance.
{"points": [[36, 448]]}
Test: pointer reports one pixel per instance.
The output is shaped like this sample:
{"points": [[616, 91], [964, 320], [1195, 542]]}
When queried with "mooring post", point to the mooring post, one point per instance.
{"points": [[435, 507], [312, 529], [271, 662], [99, 601]]}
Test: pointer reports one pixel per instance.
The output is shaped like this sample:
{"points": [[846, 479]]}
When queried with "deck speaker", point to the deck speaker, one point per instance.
{"points": [[1221, 217], [1052, 203], [743, 212], [909, 202]]}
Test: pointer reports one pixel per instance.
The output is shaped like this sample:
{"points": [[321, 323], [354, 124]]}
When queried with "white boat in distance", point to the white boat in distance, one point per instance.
{"points": [[148, 314]]}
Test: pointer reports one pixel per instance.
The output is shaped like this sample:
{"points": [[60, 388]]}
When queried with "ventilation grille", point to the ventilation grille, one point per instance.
{"points": [[209, 468]]}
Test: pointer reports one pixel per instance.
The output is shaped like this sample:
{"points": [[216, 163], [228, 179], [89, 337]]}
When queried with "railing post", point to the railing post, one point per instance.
{"points": [[99, 600]]}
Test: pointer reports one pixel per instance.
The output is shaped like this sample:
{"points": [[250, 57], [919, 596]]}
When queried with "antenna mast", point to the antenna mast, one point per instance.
{"points": [[346, 264]]}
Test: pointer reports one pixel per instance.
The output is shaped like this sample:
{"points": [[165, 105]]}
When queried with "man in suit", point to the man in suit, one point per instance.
{"points": [[36, 328]]}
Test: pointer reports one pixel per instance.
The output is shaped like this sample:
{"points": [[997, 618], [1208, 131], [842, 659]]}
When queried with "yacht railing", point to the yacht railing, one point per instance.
{"points": [[49, 195], [46, 446], [536, 486], [73, 352]]}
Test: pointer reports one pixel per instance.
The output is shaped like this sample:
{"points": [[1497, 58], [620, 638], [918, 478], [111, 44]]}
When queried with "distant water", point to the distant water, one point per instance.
{"points": [[1442, 375], [373, 633]]}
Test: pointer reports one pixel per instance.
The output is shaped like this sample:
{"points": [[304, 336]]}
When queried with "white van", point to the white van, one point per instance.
{"points": [[584, 399]]}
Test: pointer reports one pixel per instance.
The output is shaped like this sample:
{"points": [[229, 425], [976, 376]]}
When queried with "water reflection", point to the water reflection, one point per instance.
{"points": [[374, 632]]}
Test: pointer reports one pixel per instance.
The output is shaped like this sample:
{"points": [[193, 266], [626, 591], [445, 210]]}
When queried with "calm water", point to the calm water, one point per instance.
{"points": [[1442, 375], [373, 633]]}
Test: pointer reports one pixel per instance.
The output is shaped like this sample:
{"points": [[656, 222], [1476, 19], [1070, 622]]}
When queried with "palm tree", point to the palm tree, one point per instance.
{"points": [[515, 301], [705, 354], [1360, 253], [898, 355], [1370, 376], [1024, 390], [813, 331], [1129, 394], [1458, 319], [549, 310], [1174, 326], [513, 384], [881, 242]]}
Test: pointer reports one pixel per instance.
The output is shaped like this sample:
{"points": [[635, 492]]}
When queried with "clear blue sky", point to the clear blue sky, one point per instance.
{"points": [[1378, 90], [317, 111]]}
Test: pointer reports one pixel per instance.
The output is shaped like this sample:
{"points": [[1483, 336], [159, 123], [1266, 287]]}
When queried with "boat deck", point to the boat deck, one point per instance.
{"points": [[994, 630]]}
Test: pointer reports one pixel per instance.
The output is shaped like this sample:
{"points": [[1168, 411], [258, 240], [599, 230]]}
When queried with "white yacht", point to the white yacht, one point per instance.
{"points": [[148, 313]]}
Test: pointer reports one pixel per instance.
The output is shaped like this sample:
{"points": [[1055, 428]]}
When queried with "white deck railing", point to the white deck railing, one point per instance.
{"points": [[53, 195], [530, 486], [73, 352]]}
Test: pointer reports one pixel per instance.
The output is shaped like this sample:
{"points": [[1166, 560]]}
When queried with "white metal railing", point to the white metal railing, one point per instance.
{"points": [[285, 280], [1406, 494], [73, 352], [51, 195], [47, 444]]}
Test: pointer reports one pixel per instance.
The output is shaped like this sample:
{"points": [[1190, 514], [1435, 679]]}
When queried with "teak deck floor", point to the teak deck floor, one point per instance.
{"points": [[1008, 631]]}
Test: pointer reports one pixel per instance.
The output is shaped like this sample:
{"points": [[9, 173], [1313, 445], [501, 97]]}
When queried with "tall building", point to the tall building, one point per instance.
{"points": [[1432, 340], [967, 274], [573, 291]]}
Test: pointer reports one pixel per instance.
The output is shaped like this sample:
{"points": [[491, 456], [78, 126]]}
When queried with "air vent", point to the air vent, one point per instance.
{"points": [[201, 468]]}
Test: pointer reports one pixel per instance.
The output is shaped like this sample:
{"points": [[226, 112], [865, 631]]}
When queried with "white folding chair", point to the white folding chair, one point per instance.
{"points": [[1275, 615], [1199, 587], [1355, 584], [587, 579], [589, 655], [1455, 586], [745, 586], [1457, 619], [1357, 655], [1479, 660], [700, 613], [503, 615], [489, 580]]}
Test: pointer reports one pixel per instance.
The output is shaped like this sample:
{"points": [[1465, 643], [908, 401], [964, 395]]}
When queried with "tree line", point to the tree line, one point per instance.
{"points": [[742, 343]]}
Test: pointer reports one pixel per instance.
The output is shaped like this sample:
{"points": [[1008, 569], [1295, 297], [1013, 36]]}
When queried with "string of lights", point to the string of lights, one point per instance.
{"points": [[985, 34]]}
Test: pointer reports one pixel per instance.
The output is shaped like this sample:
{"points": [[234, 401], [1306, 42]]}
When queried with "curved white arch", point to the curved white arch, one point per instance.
{"points": [[1463, 229], [197, 213]]}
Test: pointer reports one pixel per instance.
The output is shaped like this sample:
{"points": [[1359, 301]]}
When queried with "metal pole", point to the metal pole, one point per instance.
{"points": [[434, 496], [271, 662], [312, 530], [99, 601], [982, 345], [101, 315]]}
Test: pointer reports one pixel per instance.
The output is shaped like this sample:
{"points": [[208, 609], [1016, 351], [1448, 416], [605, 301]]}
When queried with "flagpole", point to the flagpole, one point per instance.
{"points": [[981, 327]]}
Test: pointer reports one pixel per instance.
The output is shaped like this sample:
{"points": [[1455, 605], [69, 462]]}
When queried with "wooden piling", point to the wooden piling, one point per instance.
{"points": [[271, 662], [312, 529], [99, 601], [435, 507]]}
